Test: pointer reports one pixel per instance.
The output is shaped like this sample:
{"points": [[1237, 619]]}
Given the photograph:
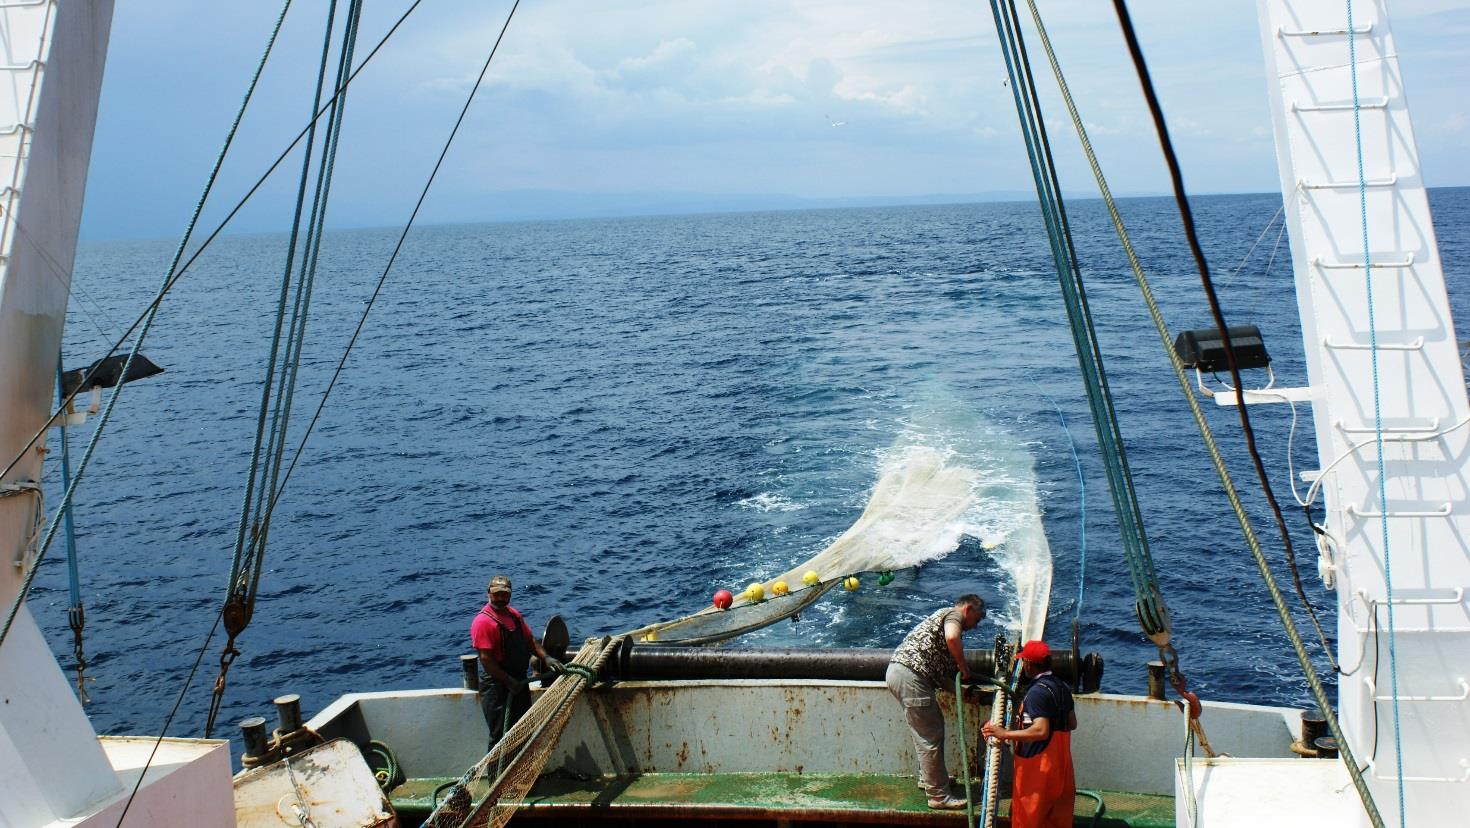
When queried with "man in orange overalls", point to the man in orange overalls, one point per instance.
{"points": [[1045, 787]]}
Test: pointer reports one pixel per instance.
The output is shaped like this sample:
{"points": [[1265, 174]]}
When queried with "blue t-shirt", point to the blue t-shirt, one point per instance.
{"points": [[1048, 698]]}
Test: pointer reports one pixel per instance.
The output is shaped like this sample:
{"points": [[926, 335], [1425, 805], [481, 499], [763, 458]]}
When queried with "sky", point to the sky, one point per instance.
{"points": [[681, 105]]}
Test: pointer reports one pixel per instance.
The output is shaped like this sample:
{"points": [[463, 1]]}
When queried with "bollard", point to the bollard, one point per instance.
{"points": [[252, 731], [471, 666], [1326, 747], [1156, 680], [288, 708], [1314, 726]]}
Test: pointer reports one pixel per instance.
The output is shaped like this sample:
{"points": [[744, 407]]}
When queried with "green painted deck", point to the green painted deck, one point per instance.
{"points": [[746, 797]]}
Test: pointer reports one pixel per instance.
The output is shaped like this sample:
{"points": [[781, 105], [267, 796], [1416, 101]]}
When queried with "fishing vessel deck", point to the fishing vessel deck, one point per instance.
{"points": [[780, 750]]}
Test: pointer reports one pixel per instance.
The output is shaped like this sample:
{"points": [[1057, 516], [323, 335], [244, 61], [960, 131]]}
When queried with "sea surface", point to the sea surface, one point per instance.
{"points": [[627, 415]]}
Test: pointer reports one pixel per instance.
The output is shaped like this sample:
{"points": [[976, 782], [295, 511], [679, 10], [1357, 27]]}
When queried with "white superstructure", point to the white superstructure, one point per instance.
{"points": [[54, 768], [1356, 206]]}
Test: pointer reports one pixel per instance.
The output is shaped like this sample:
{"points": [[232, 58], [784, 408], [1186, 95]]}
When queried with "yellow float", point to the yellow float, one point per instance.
{"points": [[811, 578], [851, 583], [780, 588]]}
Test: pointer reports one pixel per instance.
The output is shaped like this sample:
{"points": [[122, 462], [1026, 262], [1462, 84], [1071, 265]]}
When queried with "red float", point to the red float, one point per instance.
{"points": [[723, 599]]}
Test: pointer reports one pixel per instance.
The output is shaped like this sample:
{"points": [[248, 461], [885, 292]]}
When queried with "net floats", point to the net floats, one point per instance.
{"points": [[723, 599], [780, 588], [885, 578], [811, 578], [851, 583], [755, 592]]}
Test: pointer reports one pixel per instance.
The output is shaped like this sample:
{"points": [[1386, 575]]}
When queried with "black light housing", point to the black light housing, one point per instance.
{"points": [[1204, 350]]}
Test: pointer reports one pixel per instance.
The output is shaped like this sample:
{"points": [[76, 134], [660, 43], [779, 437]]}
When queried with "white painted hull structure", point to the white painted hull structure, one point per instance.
{"points": [[1396, 549], [53, 768]]}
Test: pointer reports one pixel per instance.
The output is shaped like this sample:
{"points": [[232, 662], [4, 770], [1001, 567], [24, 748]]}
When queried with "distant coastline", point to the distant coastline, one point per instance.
{"points": [[557, 205]]}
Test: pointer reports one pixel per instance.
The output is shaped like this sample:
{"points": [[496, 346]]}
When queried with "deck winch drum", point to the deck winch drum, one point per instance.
{"points": [[662, 662]]}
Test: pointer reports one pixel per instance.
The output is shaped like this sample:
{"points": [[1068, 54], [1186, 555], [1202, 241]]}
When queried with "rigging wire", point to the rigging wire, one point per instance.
{"points": [[145, 320], [1191, 236], [1247, 257], [245, 567], [1081, 502], [177, 270], [1393, 662], [1152, 612], [388, 268], [1278, 600], [76, 613]]}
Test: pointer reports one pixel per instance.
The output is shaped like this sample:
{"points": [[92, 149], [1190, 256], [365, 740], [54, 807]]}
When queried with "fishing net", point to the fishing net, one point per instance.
{"points": [[913, 515], [488, 794]]}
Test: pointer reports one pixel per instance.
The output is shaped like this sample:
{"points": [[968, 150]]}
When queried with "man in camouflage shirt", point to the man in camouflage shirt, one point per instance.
{"points": [[927, 659]]}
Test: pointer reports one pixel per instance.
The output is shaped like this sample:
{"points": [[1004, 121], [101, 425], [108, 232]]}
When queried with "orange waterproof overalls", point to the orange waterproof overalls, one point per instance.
{"points": [[1045, 787]]}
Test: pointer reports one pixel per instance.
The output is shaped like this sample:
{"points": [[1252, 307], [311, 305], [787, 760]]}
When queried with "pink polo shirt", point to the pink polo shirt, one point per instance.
{"points": [[485, 633]]}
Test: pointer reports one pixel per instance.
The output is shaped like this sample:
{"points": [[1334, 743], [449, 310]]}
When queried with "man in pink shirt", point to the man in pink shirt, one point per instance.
{"points": [[503, 639]]}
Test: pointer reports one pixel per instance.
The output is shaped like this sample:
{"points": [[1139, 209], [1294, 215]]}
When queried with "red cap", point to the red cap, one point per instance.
{"points": [[1035, 651]]}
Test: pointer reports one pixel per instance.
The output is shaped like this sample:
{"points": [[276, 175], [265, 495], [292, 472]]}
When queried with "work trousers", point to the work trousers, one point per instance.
{"points": [[494, 698], [926, 725]]}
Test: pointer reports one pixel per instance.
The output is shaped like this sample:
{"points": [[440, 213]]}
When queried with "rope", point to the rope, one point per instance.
{"points": [[1393, 662], [387, 269], [476, 798], [248, 561], [146, 322], [999, 712], [76, 614], [1081, 504], [1277, 599], [178, 273], [959, 715]]}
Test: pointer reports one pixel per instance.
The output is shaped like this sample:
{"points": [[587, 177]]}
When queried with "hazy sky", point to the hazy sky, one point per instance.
{"points": [[704, 97]]}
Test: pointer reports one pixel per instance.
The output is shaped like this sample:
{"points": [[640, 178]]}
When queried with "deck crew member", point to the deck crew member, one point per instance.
{"points": [[1044, 787], [927, 659], [503, 639]]}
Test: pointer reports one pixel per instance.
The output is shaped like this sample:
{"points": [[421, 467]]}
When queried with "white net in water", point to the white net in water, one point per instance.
{"points": [[915, 514]]}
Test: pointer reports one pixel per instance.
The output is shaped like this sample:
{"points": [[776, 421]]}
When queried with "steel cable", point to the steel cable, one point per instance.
{"points": [[1207, 436]]}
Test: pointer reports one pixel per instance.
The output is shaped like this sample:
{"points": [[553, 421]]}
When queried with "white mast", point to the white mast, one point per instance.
{"points": [[53, 766], [1420, 394], [51, 68]]}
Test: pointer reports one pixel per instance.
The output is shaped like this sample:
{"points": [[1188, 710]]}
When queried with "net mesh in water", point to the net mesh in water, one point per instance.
{"points": [[913, 515]]}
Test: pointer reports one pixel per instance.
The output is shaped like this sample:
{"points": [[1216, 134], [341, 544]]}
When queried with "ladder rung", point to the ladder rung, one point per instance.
{"points": [[1464, 693], [1429, 428], [1285, 32], [1456, 596], [1416, 345], [1464, 776], [1376, 103], [20, 67], [14, 128], [1443, 511], [1407, 261], [20, 4], [1346, 185]]}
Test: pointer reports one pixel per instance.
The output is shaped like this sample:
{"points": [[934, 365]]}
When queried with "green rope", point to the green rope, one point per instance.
{"points": [[1152, 613], [959, 714], [144, 325], [1319, 694]]}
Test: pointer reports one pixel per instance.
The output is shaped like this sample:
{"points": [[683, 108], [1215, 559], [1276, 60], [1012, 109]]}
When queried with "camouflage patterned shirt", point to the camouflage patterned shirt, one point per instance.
{"points": [[924, 650]]}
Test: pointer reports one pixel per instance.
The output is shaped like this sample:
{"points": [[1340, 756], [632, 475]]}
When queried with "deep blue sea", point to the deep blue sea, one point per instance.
{"points": [[625, 415]]}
